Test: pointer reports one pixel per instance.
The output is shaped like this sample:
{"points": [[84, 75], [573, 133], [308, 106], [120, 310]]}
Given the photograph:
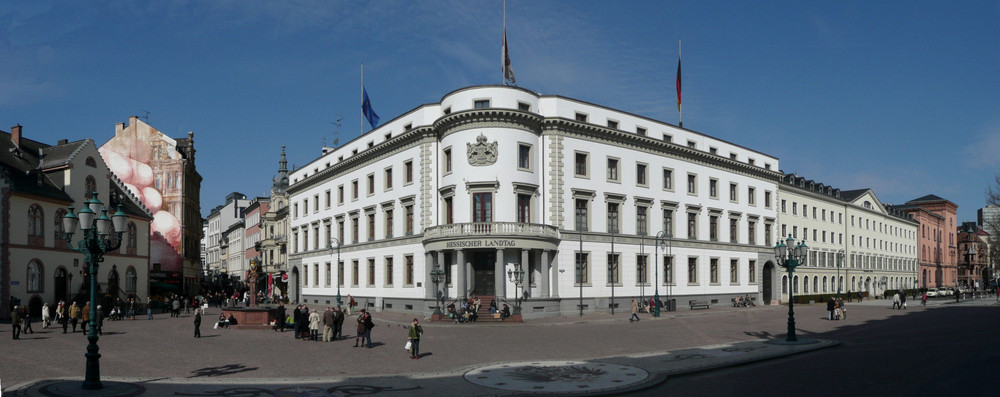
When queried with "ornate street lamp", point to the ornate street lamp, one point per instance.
{"points": [[840, 258], [96, 241], [790, 257], [339, 281], [660, 241], [517, 277], [437, 277]]}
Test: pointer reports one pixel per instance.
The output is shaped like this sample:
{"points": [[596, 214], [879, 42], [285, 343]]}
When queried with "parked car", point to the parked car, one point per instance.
{"points": [[932, 292], [945, 292]]}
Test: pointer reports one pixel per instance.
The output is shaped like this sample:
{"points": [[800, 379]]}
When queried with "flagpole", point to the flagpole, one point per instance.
{"points": [[503, 48], [680, 107], [362, 97]]}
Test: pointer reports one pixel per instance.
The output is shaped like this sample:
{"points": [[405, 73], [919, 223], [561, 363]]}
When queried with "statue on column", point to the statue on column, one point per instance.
{"points": [[252, 279]]}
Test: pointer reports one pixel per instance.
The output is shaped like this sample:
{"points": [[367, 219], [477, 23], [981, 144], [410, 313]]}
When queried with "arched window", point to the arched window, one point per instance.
{"points": [[132, 236], [784, 284], [795, 284], [91, 162], [58, 226], [90, 186], [35, 276], [130, 279], [805, 285], [35, 216]]}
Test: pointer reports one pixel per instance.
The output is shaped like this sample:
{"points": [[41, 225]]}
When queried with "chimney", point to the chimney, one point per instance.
{"points": [[15, 135], [62, 142], [119, 128]]}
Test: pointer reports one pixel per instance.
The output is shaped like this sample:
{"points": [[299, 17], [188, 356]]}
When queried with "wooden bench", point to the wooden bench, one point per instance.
{"points": [[695, 304]]}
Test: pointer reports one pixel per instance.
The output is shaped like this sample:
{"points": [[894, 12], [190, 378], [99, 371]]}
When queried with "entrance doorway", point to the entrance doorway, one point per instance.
{"points": [[484, 273], [61, 288], [768, 281]]}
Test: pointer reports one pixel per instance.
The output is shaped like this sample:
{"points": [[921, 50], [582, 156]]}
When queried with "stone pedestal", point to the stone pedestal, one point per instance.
{"points": [[250, 318]]}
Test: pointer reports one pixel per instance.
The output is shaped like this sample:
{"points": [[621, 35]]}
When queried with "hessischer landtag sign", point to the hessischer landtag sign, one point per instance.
{"points": [[481, 243]]}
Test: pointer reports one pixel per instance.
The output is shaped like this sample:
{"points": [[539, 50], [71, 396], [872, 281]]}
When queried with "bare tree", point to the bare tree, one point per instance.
{"points": [[991, 222]]}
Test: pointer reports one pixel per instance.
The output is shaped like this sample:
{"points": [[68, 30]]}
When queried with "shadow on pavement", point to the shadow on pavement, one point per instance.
{"points": [[222, 370]]}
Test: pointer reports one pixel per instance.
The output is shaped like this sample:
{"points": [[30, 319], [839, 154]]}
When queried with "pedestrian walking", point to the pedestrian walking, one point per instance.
{"points": [[895, 301], [46, 316], [831, 305], [923, 299], [62, 316], [85, 317], [350, 305], [843, 309], [26, 321], [860, 296], [414, 337], [149, 308], [15, 322], [281, 318], [635, 311], [902, 300], [100, 320], [74, 314], [296, 316], [850, 296], [369, 324], [197, 323]]}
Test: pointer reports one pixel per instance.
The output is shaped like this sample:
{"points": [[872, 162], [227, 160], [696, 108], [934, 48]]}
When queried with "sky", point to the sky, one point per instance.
{"points": [[896, 96]]}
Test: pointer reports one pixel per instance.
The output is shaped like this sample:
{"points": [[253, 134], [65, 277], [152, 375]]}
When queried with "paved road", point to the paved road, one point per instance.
{"points": [[164, 347], [946, 349]]}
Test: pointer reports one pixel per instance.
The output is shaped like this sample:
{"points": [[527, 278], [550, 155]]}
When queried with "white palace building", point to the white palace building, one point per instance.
{"points": [[497, 178]]}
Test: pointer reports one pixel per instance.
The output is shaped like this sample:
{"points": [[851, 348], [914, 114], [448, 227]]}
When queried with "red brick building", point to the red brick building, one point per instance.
{"points": [[937, 253]]}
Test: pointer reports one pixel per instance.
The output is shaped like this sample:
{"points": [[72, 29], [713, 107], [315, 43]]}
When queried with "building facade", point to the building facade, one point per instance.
{"points": [[937, 247], [217, 238], [38, 182], [161, 172], [974, 271], [857, 243], [495, 179], [274, 231]]}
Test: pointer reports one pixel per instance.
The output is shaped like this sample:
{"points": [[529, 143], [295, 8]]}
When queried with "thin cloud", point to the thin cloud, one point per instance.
{"points": [[982, 153]]}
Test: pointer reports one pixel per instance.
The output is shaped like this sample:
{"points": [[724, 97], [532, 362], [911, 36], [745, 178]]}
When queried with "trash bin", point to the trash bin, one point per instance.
{"points": [[671, 305]]}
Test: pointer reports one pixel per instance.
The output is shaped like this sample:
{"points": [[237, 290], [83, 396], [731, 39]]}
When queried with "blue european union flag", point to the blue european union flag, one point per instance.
{"points": [[366, 109]]}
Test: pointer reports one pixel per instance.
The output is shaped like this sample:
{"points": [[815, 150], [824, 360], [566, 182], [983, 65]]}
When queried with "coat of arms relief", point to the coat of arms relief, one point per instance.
{"points": [[482, 152]]}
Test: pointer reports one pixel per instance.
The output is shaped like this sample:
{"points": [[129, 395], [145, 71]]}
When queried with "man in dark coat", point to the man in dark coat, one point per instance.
{"points": [[329, 324], [338, 320], [197, 323], [281, 318], [830, 305], [297, 317]]}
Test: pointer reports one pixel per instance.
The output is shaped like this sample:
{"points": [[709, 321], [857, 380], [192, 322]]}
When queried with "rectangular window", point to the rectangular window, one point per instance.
{"points": [[767, 199], [409, 219], [733, 195], [354, 230], [692, 225], [481, 104], [692, 270], [388, 178], [340, 274], [582, 269], [371, 184], [388, 223], [329, 275], [668, 222], [734, 271], [767, 234], [447, 160], [354, 189], [524, 107], [482, 207], [752, 271], [316, 275], [640, 131], [581, 164], [613, 170], [713, 188], [668, 270], [614, 271], [581, 117], [327, 196], [752, 232], [641, 175], [371, 271], [641, 269], [714, 270], [734, 234], [640, 220], [340, 194], [355, 272], [668, 179], [340, 230], [613, 218], [388, 271], [449, 215], [692, 184], [524, 208], [612, 124], [409, 270], [524, 157], [408, 171], [371, 226], [581, 215], [713, 228]]}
